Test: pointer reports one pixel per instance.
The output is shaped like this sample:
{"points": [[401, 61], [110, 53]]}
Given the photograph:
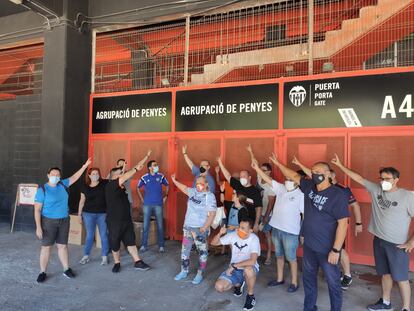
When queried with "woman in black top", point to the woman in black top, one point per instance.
{"points": [[92, 209]]}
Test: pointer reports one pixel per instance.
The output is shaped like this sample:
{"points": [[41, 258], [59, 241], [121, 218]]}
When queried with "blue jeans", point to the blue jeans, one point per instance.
{"points": [[311, 263], [148, 210], [91, 220]]}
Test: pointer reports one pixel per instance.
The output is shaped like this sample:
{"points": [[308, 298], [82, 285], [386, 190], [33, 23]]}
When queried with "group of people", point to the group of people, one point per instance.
{"points": [[309, 207]]}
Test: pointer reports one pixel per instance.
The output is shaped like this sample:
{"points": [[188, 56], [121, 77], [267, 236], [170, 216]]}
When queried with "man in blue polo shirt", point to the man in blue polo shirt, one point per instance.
{"points": [[153, 202], [52, 218]]}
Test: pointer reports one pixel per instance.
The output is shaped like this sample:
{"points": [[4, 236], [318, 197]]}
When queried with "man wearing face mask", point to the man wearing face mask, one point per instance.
{"points": [[243, 268], [203, 170], [52, 218], [324, 231], [153, 202], [285, 223], [346, 280], [254, 198], [392, 210]]}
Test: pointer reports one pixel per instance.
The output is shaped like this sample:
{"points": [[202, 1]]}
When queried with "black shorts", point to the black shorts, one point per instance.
{"points": [[121, 231], [389, 259], [55, 231]]}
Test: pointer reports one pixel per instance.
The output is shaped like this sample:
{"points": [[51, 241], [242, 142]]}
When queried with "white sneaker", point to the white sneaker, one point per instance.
{"points": [[161, 249], [84, 260], [104, 261]]}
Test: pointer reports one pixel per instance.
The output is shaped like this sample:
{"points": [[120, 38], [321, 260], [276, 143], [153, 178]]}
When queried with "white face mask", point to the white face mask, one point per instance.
{"points": [[94, 178], [290, 185], [386, 185], [243, 181]]}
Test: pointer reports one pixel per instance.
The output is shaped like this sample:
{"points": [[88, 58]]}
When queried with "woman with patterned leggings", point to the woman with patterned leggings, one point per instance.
{"points": [[201, 209]]}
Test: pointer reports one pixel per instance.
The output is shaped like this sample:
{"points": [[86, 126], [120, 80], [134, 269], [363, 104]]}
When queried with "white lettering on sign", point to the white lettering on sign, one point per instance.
{"points": [[134, 113], [229, 108], [388, 109], [327, 86]]}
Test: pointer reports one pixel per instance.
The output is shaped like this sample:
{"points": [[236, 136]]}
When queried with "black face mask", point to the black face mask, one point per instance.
{"points": [[318, 178], [202, 170]]}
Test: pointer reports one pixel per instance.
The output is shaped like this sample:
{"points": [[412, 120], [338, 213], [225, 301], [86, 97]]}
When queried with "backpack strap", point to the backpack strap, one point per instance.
{"points": [[42, 186]]}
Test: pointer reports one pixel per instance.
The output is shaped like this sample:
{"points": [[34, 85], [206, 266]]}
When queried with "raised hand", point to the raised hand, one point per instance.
{"points": [[149, 152], [249, 148], [88, 162], [295, 161], [217, 169], [274, 159], [336, 160], [184, 150], [173, 177]]}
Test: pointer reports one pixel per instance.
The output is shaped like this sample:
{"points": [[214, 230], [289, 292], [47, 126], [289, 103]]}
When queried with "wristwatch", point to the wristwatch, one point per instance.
{"points": [[358, 224], [336, 250], [233, 266]]}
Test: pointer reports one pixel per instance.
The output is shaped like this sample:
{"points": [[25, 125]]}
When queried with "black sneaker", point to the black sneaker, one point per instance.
{"points": [[380, 306], [346, 282], [141, 265], [69, 273], [238, 290], [41, 277], [250, 302], [116, 268]]}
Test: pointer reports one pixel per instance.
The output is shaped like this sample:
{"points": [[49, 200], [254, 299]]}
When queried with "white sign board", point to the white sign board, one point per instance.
{"points": [[27, 193]]}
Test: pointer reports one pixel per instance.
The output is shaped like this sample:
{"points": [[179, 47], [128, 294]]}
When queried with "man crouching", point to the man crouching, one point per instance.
{"points": [[243, 266]]}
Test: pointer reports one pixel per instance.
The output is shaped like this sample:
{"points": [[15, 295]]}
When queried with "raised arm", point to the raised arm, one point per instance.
{"points": [[307, 170], [255, 166], [78, 174], [287, 172], [179, 185], [225, 172], [128, 175], [187, 158], [354, 176], [250, 150], [217, 170]]}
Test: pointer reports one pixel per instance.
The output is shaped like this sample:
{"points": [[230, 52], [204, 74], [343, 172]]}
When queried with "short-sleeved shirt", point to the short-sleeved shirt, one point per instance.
{"points": [[54, 200], [288, 207], [254, 198], [241, 249], [323, 209], [391, 213], [153, 188], [117, 204], [267, 192], [195, 170], [348, 192], [95, 198], [199, 204]]}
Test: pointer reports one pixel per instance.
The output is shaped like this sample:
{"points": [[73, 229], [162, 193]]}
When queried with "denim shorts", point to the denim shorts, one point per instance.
{"points": [[389, 259], [286, 244], [266, 227], [237, 276]]}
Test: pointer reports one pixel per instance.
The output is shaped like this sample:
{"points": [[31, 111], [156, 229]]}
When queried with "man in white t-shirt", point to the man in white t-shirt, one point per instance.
{"points": [[243, 266], [286, 223]]}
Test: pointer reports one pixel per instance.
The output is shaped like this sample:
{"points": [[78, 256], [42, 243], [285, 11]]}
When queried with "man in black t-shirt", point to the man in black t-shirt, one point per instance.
{"points": [[118, 217], [254, 198]]}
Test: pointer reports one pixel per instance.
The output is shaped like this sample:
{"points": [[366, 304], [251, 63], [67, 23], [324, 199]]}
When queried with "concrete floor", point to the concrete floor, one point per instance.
{"points": [[97, 288]]}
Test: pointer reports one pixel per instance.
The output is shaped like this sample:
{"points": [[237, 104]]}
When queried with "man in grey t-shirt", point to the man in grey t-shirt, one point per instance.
{"points": [[392, 210]]}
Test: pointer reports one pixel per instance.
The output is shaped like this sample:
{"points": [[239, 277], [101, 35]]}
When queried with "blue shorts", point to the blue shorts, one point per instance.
{"points": [[286, 244], [237, 276], [389, 259], [266, 227]]}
